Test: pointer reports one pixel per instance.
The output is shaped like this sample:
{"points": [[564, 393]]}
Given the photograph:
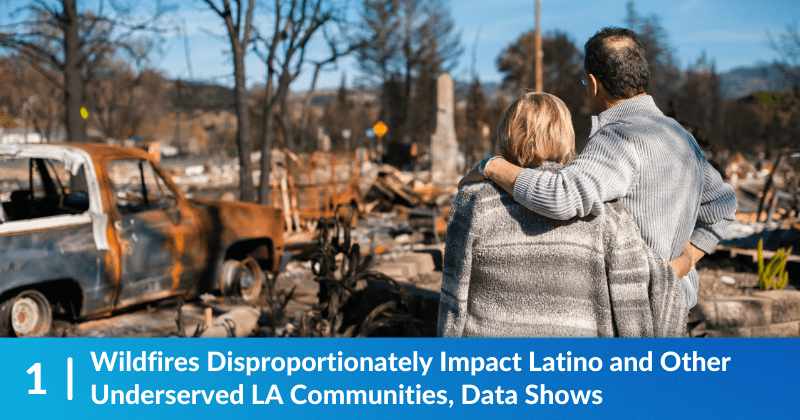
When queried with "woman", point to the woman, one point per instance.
{"points": [[509, 272]]}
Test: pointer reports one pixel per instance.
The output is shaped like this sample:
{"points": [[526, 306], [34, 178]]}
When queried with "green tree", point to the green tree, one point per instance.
{"points": [[406, 44], [338, 116], [476, 145], [787, 45], [699, 105], [561, 74], [379, 58], [664, 74]]}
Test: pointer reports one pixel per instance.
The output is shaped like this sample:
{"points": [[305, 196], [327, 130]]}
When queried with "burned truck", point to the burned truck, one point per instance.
{"points": [[89, 229]]}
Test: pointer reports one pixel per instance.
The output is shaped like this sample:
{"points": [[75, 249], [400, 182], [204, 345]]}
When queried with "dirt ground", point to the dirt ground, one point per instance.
{"points": [[159, 319], [719, 277]]}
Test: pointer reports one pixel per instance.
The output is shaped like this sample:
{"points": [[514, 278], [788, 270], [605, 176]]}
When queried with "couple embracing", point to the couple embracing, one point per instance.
{"points": [[541, 243]]}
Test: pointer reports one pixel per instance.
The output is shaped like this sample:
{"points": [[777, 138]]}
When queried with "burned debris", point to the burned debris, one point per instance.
{"points": [[348, 248], [346, 293], [88, 231], [730, 302]]}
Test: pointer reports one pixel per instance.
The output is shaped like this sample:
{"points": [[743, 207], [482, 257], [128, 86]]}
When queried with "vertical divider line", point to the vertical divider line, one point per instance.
{"points": [[69, 378]]}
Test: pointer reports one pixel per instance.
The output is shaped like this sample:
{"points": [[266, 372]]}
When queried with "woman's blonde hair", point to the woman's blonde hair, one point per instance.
{"points": [[535, 128]]}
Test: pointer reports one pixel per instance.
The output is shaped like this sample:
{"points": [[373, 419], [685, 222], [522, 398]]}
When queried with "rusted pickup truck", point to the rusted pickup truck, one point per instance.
{"points": [[88, 229]]}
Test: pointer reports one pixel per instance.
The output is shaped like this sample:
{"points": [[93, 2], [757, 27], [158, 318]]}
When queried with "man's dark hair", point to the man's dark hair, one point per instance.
{"points": [[617, 58]]}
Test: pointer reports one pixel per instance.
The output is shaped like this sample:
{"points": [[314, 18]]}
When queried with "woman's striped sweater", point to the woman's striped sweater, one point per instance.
{"points": [[509, 272]]}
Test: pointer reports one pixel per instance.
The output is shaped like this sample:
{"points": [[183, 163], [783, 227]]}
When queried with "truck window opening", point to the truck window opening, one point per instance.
{"points": [[32, 188]]}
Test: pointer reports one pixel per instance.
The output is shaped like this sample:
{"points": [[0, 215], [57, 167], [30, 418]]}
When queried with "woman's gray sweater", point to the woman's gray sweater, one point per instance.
{"points": [[509, 272]]}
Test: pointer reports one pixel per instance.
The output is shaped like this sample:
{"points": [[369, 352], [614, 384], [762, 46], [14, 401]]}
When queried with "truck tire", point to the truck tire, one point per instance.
{"points": [[241, 278], [27, 315]]}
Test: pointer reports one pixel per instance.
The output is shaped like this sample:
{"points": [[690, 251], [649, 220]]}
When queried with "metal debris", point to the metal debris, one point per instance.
{"points": [[342, 311]]}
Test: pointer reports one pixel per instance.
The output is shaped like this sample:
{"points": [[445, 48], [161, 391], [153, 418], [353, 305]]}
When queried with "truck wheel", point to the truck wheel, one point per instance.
{"points": [[26, 315], [243, 278]]}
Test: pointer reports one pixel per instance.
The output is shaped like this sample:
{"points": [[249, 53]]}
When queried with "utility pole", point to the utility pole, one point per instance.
{"points": [[538, 48]]}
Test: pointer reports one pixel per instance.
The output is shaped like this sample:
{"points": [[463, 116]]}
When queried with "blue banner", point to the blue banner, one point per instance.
{"points": [[397, 378]]}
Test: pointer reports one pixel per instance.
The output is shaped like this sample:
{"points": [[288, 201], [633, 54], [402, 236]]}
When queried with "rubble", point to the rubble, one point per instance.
{"points": [[399, 230], [309, 186], [407, 266], [393, 190], [240, 322], [354, 301], [758, 314], [378, 270]]}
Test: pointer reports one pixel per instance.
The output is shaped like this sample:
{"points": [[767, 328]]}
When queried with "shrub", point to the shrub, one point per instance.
{"points": [[776, 267]]}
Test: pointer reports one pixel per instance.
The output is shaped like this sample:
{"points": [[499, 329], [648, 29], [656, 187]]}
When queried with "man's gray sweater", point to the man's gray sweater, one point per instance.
{"points": [[509, 272], [655, 167]]}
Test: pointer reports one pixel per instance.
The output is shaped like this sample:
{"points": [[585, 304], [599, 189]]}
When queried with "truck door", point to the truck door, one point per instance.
{"points": [[150, 230]]}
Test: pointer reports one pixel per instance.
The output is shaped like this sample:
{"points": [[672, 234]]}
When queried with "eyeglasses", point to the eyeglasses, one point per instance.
{"points": [[585, 79]]}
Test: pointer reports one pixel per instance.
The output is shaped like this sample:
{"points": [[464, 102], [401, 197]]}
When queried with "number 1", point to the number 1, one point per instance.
{"points": [[37, 380]]}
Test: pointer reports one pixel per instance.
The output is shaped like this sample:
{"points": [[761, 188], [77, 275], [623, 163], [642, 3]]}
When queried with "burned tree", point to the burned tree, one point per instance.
{"points": [[407, 43], [239, 29], [65, 46], [787, 45], [124, 99], [31, 96], [378, 60], [338, 46], [284, 53]]}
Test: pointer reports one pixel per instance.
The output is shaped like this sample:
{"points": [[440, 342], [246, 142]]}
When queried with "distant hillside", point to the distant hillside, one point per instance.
{"points": [[191, 95], [743, 81], [370, 94], [734, 84], [324, 96], [490, 89]]}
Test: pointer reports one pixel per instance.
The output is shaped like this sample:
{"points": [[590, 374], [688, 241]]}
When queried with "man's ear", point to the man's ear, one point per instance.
{"points": [[595, 85]]}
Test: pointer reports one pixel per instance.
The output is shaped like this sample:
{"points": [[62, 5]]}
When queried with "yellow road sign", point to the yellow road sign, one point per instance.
{"points": [[380, 128]]}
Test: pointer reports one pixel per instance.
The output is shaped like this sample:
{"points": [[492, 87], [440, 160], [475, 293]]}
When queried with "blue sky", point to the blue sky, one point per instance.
{"points": [[733, 33]]}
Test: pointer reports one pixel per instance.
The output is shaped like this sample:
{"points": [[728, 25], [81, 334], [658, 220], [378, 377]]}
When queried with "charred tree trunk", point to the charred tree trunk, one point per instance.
{"points": [[407, 124], [243, 144], [240, 36], [286, 117], [387, 118], [73, 79], [307, 108], [266, 143]]}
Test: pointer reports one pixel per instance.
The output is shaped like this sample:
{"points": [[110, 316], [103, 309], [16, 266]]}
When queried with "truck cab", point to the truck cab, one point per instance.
{"points": [[89, 229]]}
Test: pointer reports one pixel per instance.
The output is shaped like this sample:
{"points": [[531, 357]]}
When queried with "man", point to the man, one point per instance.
{"points": [[635, 154]]}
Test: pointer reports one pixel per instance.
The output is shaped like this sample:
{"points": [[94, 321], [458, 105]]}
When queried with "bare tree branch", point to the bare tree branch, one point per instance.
{"points": [[213, 7]]}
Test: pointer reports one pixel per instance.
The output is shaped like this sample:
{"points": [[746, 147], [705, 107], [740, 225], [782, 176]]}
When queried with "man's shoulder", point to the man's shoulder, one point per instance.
{"points": [[642, 126], [632, 122]]}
